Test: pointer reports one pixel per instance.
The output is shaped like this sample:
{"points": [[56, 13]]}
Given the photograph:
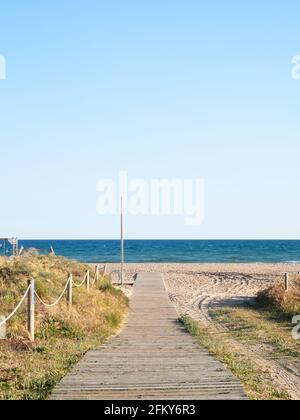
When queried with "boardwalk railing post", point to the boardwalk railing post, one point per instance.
{"points": [[286, 281], [70, 291], [30, 310], [88, 280]]}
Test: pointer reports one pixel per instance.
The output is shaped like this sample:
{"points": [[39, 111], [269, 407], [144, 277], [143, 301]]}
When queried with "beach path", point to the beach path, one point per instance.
{"points": [[153, 358]]}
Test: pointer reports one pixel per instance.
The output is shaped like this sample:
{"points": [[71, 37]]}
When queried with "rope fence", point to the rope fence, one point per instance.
{"points": [[82, 283], [31, 294], [51, 305], [16, 309]]}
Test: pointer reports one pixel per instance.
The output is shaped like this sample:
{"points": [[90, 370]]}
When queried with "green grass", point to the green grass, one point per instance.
{"points": [[257, 326]]}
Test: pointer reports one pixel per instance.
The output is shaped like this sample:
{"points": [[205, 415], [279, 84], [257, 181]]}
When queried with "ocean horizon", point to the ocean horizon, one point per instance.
{"points": [[173, 251]]}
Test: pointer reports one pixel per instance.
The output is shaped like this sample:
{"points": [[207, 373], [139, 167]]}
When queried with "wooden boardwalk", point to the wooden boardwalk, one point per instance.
{"points": [[153, 358]]}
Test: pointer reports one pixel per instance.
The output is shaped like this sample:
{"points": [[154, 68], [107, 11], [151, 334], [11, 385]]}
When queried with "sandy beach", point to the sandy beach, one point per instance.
{"points": [[195, 288]]}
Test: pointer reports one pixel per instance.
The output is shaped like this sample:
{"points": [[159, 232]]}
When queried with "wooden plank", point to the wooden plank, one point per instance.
{"points": [[153, 358]]}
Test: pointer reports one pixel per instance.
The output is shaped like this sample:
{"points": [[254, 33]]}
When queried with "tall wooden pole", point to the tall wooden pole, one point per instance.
{"points": [[122, 243]]}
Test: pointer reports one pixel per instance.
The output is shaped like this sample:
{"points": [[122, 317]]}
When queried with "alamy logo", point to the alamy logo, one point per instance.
{"points": [[2, 67], [154, 197], [296, 67]]}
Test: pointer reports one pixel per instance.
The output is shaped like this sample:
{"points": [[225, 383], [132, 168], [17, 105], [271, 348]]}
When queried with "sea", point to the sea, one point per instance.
{"points": [[173, 251]]}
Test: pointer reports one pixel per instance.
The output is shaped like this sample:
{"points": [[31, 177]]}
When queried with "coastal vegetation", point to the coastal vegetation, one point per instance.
{"points": [[63, 335], [235, 347], [286, 302], [256, 342]]}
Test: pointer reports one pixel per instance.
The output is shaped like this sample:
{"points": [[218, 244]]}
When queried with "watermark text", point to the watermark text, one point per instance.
{"points": [[296, 67], [154, 197]]}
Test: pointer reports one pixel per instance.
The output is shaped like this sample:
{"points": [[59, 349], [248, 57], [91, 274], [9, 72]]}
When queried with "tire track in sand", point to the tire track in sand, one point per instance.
{"points": [[197, 293]]}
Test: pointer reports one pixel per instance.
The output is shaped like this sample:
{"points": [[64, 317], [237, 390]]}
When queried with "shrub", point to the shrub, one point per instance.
{"points": [[276, 297]]}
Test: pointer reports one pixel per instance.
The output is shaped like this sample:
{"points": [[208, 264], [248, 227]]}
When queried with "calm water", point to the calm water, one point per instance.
{"points": [[174, 251]]}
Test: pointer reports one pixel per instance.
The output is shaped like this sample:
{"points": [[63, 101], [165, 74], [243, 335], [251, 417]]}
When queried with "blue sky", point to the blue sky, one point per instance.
{"points": [[183, 89]]}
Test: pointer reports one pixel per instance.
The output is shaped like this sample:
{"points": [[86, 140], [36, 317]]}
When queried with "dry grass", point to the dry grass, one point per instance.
{"points": [[29, 371], [257, 379], [257, 346], [258, 328], [276, 297]]}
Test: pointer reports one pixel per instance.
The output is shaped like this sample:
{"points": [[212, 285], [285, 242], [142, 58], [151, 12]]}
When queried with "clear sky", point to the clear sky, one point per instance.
{"points": [[186, 89]]}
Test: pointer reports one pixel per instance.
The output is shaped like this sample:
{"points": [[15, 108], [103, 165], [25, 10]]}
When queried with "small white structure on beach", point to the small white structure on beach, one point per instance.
{"points": [[13, 242]]}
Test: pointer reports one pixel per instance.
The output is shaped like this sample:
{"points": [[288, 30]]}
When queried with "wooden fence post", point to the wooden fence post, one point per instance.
{"points": [[286, 281], [97, 274], [30, 310], [88, 280], [70, 292]]}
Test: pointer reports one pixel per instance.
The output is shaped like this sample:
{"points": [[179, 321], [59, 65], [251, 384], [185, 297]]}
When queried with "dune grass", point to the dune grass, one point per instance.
{"points": [[278, 299], [31, 370]]}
